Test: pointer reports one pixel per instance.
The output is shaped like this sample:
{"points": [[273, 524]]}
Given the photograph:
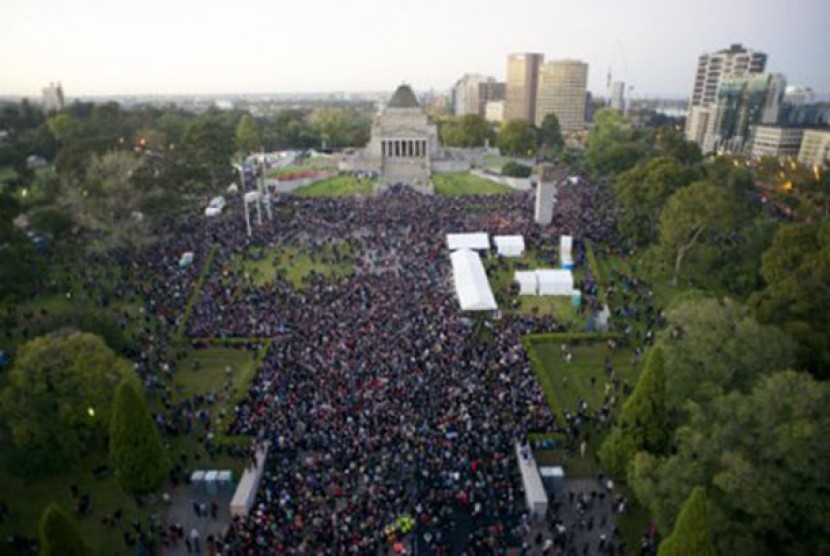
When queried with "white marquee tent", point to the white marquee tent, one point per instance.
{"points": [[510, 246], [528, 284], [566, 244], [555, 282], [471, 284], [475, 241]]}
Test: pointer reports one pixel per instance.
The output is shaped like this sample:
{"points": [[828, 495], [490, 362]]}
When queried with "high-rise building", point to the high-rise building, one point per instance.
{"points": [[561, 91], [490, 91], [815, 147], [617, 100], [494, 111], [52, 97], [712, 69], [742, 103], [522, 85]]}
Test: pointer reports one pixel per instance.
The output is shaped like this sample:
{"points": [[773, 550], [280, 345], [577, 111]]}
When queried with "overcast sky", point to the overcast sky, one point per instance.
{"points": [[251, 46]]}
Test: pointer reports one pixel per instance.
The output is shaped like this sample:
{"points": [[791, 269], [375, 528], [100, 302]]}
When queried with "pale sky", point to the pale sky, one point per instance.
{"points": [[100, 47]]}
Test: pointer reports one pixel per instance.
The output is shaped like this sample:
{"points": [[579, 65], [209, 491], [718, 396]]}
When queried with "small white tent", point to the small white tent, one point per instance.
{"points": [[566, 244], [555, 282], [528, 284], [510, 246], [471, 284], [476, 241]]}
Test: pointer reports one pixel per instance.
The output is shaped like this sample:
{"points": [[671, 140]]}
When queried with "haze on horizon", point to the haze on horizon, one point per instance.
{"points": [[114, 47]]}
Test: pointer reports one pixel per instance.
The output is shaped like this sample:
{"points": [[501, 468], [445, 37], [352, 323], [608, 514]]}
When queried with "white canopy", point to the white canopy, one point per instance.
{"points": [[479, 240], [510, 246], [555, 282], [528, 284], [471, 284]]}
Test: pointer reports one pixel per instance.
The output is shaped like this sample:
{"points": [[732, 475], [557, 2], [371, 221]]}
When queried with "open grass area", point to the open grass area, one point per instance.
{"points": [[464, 183], [297, 264], [500, 271], [338, 186]]}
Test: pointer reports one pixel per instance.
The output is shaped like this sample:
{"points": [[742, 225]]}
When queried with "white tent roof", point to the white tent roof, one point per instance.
{"points": [[471, 284], [528, 284], [566, 244], [555, 282], [510, 246], [479, 240]]}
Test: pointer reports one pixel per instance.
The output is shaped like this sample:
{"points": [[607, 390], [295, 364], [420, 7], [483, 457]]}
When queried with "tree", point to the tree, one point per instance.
{"points": [[672, 144], [692, 535], [57, 536], [696, 215], [550, 134], [207, 148], [517, 138], [796, 270], [643, 191], [470, 130], [764, 461], [642, 424], [340, 127], [613, 144], [58, 399], [135, 446], [248, 137], [714, 347], [64, 127], [516, 170]]}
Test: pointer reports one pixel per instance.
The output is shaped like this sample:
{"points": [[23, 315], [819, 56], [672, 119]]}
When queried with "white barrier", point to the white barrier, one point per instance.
{"points": [[535, 495], [243, 498]]}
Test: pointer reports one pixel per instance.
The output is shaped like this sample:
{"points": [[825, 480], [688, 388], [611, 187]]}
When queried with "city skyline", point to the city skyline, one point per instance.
{"points": [[181, 47]]}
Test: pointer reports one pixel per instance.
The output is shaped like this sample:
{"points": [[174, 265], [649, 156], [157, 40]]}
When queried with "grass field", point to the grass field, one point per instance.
{"points": [[298, 263], [313, 164], [501, 272], [338, 186], [462, 183]]}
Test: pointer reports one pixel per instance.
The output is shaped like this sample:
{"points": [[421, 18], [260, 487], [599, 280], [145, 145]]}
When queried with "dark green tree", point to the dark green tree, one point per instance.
{"points": [[643, 191], [550, 136], [692, 535], [469, 130], [642, 424], [614, 145], [207, 148], [135, 445], [517, 138], [248, 137], [57, 535], [58, 398]]}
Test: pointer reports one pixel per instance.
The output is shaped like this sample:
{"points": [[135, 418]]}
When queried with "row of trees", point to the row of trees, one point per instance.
{"points": [[515, 137]]}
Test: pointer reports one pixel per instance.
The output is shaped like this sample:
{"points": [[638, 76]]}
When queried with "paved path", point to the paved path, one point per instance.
{"points": [[181, 511]]}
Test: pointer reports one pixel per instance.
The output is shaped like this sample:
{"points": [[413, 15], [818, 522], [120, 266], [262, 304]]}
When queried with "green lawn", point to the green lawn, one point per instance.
{"points": [[332, 261], [500, 271], [338, 186], [7, 173], [464, 183]]}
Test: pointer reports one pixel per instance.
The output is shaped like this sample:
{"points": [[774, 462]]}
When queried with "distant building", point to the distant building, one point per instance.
{"points": [[742, 103], [472, 92], [800, 108], [561, 91], [521, 87], [815, 147], [494, 111], [617, 101], [712, 70], [775, 140], [52, 97]]}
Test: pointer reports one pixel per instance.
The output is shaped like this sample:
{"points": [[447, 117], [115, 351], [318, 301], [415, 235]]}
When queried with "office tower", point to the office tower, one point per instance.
{"points": [[522, 84], [712, 70], [617, 94], [742, 103], [561, 91]]}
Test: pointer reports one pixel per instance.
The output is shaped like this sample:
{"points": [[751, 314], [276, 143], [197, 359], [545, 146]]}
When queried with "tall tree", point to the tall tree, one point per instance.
{"points": [[207, 148], [694, 216], [764, 461], [713, 347], [692, 535], [550, 135], [469, 130], [57, 536], [517, 138], [58, 399], [642, 424], [135, 446], [643, 191], [248, 137], [614, 145], [796, 269]]}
